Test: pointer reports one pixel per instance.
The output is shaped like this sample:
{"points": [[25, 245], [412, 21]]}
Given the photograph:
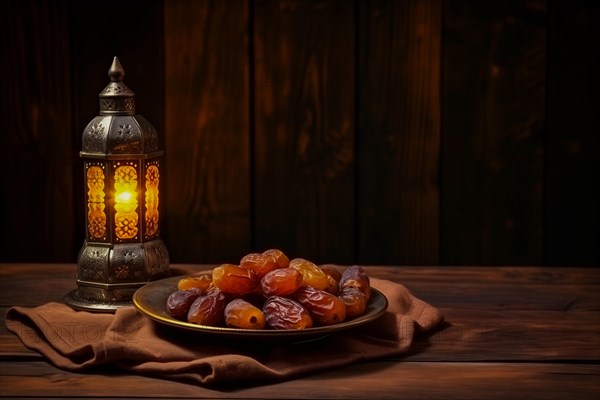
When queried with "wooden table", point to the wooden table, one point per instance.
{"points": [[513, 332]]}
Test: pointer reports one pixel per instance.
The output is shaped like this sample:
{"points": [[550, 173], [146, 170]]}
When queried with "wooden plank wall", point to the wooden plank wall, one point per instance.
{"points": [[399, 132], [305, 127], [37, 196], [494, 110], [409, 132], [571, 226], [208, 135]]}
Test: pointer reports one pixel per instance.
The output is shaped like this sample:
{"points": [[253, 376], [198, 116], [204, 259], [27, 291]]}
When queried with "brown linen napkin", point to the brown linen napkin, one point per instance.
{"points": [[78, 341]]}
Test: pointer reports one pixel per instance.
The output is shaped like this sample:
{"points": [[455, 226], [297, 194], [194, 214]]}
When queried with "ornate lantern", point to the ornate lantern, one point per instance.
{"points": [[122, 249]]}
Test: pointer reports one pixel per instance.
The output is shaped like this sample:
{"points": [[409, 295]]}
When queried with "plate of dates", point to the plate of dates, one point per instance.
{"points": [[295, 301]]}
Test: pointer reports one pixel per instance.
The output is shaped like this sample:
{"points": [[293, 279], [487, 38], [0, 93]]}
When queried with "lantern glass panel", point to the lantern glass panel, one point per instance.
{"points": [[152, 182], [96, 215], [126, 200]]}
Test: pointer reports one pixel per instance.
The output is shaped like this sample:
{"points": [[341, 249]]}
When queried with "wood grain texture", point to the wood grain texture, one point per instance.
{"points": [[36, 187], [492, 157], [399, 132], [304, 140], [207, 127], [491, 313], [383, 380], [509, 332], [572, 221]]}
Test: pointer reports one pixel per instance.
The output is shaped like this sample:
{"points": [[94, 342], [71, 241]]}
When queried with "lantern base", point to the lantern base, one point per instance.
{"points": [[73, 300], [108, 275]]}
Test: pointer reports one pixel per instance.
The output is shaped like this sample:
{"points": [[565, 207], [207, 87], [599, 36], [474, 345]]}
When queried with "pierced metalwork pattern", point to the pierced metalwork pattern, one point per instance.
{"points": [[117, 105], [116, 89], [125, 136], [92, 263], [95, 135], [127, 264], [158, 258]]}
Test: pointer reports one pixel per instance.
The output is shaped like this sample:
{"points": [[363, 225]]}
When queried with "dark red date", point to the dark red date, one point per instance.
{"points": [[354, 276], [208, 309], [325, 308], [284, 313], [179, 302]]}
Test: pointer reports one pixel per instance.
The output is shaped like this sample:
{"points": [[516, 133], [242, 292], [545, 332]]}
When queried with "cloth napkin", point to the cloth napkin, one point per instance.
{"points": [[80, 341]]}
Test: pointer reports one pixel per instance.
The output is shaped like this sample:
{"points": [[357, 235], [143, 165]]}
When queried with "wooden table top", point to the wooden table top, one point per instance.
{"points": [[512, 332]]}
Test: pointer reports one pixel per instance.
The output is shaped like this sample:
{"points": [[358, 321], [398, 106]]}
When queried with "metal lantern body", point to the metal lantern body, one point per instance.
{"points": [[121, 159]]}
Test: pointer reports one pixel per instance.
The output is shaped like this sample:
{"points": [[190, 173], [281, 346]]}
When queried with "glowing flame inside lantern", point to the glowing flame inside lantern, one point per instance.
{"points": [[124, 197]]}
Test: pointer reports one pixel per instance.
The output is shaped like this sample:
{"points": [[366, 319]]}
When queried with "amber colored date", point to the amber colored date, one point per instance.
{"points": [[202, 282], [242, 314], [325, 308], [279, 257], [179, 302], [354, 276], [208, 309], [260, 263], [281, 282], [355, 300], [312, 275], [234, 279], [283, 313]]}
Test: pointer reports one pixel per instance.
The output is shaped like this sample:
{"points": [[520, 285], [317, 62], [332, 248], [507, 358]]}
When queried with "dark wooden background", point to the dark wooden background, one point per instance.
{"points": [[410, 132]]}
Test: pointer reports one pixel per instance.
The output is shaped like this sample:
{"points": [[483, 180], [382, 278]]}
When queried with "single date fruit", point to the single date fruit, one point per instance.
{"points": [[241, 314], [202, 282], [354, 276], [179, 302], [281, 282], [279, 256], [312, 275], [260, 263], [234, 279], [355, 300], [283, 313], [208, 309], [325, 308]]}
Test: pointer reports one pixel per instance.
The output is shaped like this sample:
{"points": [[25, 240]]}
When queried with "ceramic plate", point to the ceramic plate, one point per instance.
{"points": [[151, 300]]}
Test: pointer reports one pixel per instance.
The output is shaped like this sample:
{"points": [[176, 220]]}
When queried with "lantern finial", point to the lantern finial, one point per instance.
{"points": [[116, 73], [117, 98]]}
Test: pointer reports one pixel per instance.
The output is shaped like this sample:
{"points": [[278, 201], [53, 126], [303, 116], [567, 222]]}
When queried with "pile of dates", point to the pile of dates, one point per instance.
{"points": [[269, 291]]}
